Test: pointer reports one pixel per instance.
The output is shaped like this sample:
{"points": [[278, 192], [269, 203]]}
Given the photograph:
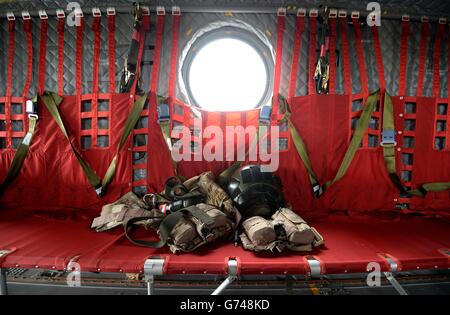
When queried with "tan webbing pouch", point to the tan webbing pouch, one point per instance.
{"points": [[189, 234], [259, 235], [114, 215], [298, 232]]}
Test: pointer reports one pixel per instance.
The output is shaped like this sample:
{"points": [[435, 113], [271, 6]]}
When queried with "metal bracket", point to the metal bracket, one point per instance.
{"points": [[314, 13], [26, 15], [10, 16], [425, 19], [43, 15], [301, 12], [281, 12], [443, 21], [176, 10], [79, 13], [355, 15], [390, 276], [232, 276], [333, 14], [111, 11], [314, 267], [96, 12], [145, 10], [153, 267], [342, 14], [3, 282], [60, 14], [405, 18], [160, 10]]}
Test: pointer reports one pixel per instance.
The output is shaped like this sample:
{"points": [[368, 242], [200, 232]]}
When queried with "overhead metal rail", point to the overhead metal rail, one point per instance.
{"points": [[290, 10]]}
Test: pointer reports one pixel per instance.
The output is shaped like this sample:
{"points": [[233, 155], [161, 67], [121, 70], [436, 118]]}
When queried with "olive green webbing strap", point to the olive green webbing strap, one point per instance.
{"points": [[52, 101], [303, 153], [389, 156], [363, 125], [389, 148], [20, 156], [167, 135], [360, 131], [167, 226], [131, 122], [299, 145]]}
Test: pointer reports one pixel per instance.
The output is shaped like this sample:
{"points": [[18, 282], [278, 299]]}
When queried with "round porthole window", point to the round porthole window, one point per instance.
{"points": [[228, 70]]}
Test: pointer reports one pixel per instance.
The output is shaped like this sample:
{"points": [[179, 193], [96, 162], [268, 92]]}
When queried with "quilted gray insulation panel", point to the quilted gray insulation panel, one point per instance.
{"points": [[390, 32]]}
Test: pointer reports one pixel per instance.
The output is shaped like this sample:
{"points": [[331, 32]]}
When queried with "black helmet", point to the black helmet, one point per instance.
{"points": [[255, 193]]}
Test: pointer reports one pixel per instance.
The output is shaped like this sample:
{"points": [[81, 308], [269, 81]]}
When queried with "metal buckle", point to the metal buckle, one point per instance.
{"points": [[26, 15], [145, 10], [442, 20], [176, 10], [99, 191], [281, 12], [388, 138], [31, 109], [79, 13], [10, 16], [405, 18], [301, 12], [318, 191], [425, 19], [163, 113], [111, 11], [356, 15], [96, 12], [314, 13], [160, 10], [342, 14], [265, 114], [60, 14], [333, 14], [43, 15]]}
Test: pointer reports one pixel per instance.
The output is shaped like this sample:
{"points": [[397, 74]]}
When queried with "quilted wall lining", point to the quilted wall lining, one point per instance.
{"points": [[390, 33]]}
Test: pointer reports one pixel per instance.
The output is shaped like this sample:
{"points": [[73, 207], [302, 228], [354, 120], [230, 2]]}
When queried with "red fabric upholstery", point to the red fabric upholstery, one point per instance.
{"points": [[52, 178], [40, 241]]}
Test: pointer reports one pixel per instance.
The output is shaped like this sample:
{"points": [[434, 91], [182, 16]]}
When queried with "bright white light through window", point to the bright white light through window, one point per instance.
{"points": [[228, 75]]}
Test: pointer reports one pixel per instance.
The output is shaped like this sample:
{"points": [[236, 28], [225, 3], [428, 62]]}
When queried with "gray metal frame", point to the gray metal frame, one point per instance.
{"points": [[155, 283]]}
